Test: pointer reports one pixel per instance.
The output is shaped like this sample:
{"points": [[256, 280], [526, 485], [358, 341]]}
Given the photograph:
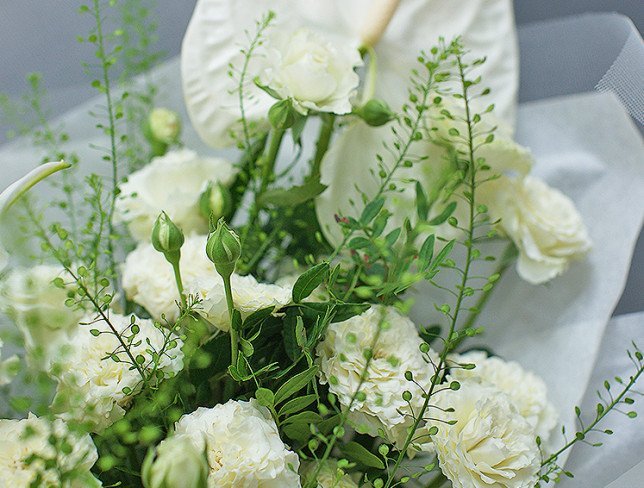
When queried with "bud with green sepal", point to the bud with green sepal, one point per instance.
{"points": [[223, 249], [375, 112], [167, 238], [282, 115], [162, 129], [175, 463], [215, 202]]}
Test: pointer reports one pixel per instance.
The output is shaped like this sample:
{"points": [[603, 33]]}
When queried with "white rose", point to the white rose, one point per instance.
{"points": [[38, 308], [176, 463], [491, 444], [248, 296], [311, 71], [91, 384], [527, 391], [172, 183], [242, 445], [148, 278], [342, 361], [22, 439], [8, 367], [541, 221]]}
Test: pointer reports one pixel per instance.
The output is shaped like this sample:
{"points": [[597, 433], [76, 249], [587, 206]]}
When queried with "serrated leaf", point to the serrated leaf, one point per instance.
{"points": [[371, 210], [295, 384], [291, 197], [309, 281], [444, 215], [361, 454], [296, 405]]}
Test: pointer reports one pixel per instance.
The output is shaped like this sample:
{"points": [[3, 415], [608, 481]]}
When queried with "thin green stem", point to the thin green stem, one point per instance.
{"points": [[234, 340], [176, 268], [268, 165], [321, 147]]}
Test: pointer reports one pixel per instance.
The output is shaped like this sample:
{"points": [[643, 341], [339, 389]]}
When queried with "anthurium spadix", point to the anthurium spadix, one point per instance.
{"points": [[18, 188], [396, 30]]}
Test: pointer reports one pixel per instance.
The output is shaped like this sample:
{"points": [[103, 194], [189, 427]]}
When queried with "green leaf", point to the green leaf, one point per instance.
{"points": [[359, 243], [442, 255], [371, 210], [309, 281], [296, 405], [267, 89], [265, 397], [444, 215], [295, 384], [291, 197], [258, 317], [298, 432], [422, 204], [359, 453], [392, 237], [306, 417], [426, 253], [341, 311]]}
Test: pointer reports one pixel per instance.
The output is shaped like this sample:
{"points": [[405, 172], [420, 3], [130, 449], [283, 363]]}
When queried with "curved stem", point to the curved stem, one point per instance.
{"points": [[328, 121], [177, 277], [234, 340]]}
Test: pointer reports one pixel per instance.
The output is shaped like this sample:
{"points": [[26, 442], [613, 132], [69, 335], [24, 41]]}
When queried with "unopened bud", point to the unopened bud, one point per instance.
{"points": [[375, 112], [165, 125], [223, 249], [282, 115], [215, 202], [167, 237], [175, 463]]}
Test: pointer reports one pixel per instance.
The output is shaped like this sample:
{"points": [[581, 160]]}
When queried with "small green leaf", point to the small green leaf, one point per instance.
{"points": [[291, 197], [372, 210], [309, 281], [306, 417], [426, 253], [296, 405], [360, 454], [422, 203], [444, 215], [265, 397], [295, 384]]}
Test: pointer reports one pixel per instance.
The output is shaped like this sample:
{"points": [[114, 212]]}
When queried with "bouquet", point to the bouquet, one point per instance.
{"points": [[243, 318]]}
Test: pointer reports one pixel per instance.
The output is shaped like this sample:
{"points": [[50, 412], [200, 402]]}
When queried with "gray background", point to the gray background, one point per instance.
{"points": [[40, 35]]}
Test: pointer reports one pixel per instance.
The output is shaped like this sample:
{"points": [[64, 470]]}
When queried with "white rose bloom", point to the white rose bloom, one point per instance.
{"points": [[30, 437], [527, 391], [148, 278], [541, 221], [176, 462], [38, 308], [342, 361], [311, 71], [8, 367], [242, 445], [171, 183], [90, 385], [248, 296], [491, 443]]}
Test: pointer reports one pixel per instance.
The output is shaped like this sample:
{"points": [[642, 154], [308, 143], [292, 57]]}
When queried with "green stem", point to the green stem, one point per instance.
{"points": [[234, 340], [328, 121], [437, 482], [268, 164], [177, 277]]}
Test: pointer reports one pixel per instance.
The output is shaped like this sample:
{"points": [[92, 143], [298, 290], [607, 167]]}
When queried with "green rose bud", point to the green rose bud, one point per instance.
{"points": [[165, 125], [167, 237], [375, 112], [223, 249], [215, 202], [175, 463], [282, 115]]}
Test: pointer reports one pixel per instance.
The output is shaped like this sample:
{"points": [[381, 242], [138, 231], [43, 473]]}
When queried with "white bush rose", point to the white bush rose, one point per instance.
{"points": [[491, 444], [249, 296], [91, 384], [341, 358], [541, 221], [148, 278], [38, 308], [174, 463], [172, 183], [312, 72], [527, 391], [22, 439], [242, 445]]}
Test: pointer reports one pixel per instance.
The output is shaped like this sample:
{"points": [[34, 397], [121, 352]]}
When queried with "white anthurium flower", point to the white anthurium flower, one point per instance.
{"points": [[397, 30], [13, 192]]}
